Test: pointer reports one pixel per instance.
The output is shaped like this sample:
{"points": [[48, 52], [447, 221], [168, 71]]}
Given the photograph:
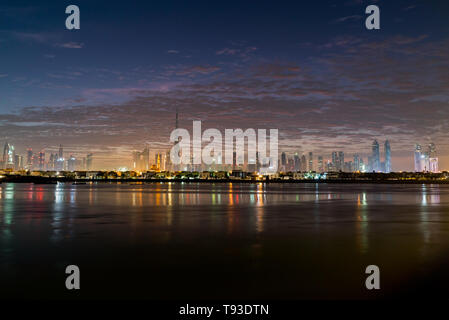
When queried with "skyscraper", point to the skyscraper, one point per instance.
{"points": [[303, 163], [141, 160], [341, 161], [50, 164], [5, 154], [30, 159], [426, 161], [432, 158], [297, 161], [418, 157], [41, 160], [375, 156], [18, 162], [334, 164], [61, 152], [433, 165], [257, 162], [89, 161], [310, 161], [160, 161], [59, 166], [432, 150], [320, 164], [8, 156], [71, 163], [387, 150], [283, 161], [356, 163], [175, 167], [56, 162]]}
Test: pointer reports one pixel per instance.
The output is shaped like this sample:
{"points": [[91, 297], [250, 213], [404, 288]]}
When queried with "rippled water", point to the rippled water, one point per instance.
{"points": [[223, 240]]}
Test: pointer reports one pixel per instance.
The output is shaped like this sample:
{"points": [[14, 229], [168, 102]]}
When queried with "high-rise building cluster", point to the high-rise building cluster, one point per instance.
{"points": [[374, 161], [10, 159], [426, 160], [37, 161], [141, 160], [337, 161]]}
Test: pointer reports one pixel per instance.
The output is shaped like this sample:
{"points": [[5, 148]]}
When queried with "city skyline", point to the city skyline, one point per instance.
{"points": [[148, 159], [423, 161], [220, 158], [316, 74]]}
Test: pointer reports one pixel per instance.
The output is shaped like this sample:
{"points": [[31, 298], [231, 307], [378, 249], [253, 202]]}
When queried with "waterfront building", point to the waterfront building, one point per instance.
{"points": [[303, 163], [310, 161], [29, 164], [426, 161], [18, 162], [418, 156], [89, 162], [334, 165], [141, 160], [283, 161], [356, 163], [341, 161], [41, 160], [375, 156], [8, 156], [387, 150], [320, 164], [71, 163]]}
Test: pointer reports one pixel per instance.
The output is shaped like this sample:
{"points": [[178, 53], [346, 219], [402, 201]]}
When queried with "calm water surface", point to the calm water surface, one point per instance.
{"points": [[223, 240]]}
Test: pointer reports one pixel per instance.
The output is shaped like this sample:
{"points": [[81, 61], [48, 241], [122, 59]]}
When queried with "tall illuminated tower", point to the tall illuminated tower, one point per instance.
{"points": [[432, 158], [418, 157], [61, 152], [356, 163], [320, 164], [41, 160], [387, 149], [8, 156], [283, 161], [175, 167], [375, 156], [341, 161], [89, 160], [297, 161], [310, 161]]}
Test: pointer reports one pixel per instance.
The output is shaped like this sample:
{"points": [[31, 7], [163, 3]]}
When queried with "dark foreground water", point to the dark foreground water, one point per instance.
{"points": [[228, 241]]}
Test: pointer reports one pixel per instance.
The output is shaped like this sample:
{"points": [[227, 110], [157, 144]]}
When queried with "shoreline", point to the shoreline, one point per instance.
{"points": [[44, 180]]}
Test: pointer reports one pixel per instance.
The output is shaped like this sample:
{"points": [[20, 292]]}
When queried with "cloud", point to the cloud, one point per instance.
{"points": [[71, 45], [353, 91], [243, 52], [413, 6], [202, 69], [173, 51], [355, 17], [42, 37], [227, 51]]}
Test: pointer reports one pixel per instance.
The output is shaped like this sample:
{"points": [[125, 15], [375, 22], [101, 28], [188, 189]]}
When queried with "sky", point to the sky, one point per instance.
{"points": [[310, 69]]}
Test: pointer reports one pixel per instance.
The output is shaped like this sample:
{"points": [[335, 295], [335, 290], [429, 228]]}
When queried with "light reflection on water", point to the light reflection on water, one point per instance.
{"points": [[354, 220], [170, 200]]}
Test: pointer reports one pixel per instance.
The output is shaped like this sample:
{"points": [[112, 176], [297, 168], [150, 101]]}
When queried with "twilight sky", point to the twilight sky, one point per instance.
{"points": [[308, 68]]}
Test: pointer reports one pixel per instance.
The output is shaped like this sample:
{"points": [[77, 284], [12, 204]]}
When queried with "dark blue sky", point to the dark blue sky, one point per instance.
{"points": [[309, 67]]}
